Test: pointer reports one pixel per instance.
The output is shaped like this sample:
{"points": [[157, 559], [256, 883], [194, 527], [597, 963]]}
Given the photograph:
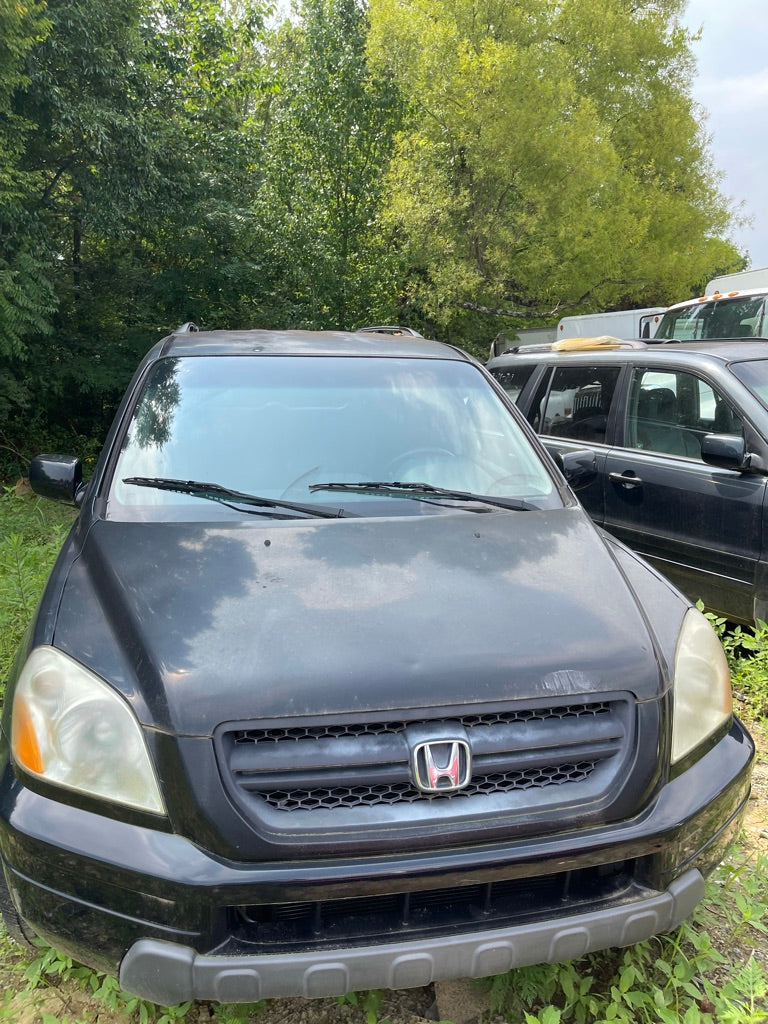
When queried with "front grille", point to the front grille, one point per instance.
{"points": [[297, 777], [392, 917]]}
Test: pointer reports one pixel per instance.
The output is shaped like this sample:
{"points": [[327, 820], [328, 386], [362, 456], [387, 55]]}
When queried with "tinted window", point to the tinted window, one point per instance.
{"points": [[574, 402], [513, 379], [671, 411], [754, 375], [274, 425]]}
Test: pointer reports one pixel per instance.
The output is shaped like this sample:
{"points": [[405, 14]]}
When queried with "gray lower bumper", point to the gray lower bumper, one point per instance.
{"points": [[167, 973]]}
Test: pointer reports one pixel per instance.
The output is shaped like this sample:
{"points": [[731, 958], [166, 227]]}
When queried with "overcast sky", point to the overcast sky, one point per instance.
{"points": [[732, 85]]}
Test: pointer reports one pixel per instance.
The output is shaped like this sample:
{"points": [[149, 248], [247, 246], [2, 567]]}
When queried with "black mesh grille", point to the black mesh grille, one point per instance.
{"points": [[370, 796], [356, 729]]}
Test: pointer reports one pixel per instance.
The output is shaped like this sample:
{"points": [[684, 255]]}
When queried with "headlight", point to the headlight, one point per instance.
{"points": [[702, 686], [70, 728]]}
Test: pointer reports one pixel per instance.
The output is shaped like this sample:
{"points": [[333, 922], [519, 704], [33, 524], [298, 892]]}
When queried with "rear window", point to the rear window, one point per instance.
{"points": [[574, 402]]}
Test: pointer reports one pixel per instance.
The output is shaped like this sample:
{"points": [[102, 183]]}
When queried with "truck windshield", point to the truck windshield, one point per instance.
{"points": [[737, 317]]}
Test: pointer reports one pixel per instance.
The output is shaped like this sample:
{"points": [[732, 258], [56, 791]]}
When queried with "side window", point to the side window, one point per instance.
{"points": [[513, 378], [679, 325], [671, 411], [577, 402]]}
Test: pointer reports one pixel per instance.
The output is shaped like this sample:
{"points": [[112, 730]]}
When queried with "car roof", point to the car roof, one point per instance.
{"points": [[191, 342], [694, 353]]}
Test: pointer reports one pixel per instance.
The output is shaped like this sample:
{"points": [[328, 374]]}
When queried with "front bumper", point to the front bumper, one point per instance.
{"points": [[160, 912], [168, 973]]}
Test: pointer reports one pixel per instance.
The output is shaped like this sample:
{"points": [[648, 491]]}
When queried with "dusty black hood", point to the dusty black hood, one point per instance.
{"points": [[200, 624]]}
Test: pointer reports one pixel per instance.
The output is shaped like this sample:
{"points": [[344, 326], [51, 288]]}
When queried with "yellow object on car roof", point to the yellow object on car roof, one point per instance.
{"points": [[584, 344]]}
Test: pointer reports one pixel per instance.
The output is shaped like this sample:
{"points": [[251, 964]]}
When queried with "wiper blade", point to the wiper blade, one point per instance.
{"points": [[423, 492], [226, 496]]}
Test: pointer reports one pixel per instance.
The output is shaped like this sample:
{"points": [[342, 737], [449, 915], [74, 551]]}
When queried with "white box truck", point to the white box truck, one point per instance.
{"points": [[739, 281], [621, 323]]}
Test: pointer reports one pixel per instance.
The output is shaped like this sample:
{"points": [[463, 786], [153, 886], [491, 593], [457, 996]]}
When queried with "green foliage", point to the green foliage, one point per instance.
{"points": [[331, 128], [747, 651], [671, 979], [369, 1002], [50, 964], [553, 160], [31, 533], [458, 166], [130, 198], [237, 1013]]}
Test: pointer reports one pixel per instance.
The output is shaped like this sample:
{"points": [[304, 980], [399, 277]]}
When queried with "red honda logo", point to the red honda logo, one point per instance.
{"points": [[441, 766]]}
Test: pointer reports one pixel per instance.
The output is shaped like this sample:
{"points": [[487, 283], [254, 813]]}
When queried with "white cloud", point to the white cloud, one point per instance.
{"points": [[736, 93], [732, 86]]}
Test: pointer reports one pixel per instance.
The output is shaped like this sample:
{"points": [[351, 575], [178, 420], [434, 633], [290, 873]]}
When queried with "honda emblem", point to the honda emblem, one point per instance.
{"points": [[441, 766]]}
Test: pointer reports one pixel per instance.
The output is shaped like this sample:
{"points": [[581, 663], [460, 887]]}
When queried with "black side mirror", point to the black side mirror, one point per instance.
{"points": [[57, 476], [726, 451], [578, 467]]}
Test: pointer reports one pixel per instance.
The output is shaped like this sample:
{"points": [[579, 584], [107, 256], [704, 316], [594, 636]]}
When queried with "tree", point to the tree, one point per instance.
{"points": [[554, 160], [331, 131], [134, 155]]}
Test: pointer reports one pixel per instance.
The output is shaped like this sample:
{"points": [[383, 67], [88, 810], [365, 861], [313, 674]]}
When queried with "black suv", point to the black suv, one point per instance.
{"points": [[679, 434], [335, 686]]}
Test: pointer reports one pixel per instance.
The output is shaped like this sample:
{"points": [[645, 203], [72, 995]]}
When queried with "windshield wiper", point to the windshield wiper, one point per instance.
{"points": [[226, 496], [424, 492]]}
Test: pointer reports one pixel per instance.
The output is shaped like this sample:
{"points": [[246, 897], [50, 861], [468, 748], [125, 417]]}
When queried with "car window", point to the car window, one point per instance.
{"points": [[753, 373], [275, 425], [670, 411], [573, 402], [513, 378]]}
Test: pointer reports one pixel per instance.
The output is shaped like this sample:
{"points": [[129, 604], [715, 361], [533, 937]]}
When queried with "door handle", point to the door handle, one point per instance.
{"points": [[627, 479]]}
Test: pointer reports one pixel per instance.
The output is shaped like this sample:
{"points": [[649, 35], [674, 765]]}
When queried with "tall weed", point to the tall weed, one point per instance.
{"points": [[31, 533]]}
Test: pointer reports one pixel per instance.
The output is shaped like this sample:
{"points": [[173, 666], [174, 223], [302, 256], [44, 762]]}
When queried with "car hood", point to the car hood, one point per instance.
{"points": [[203, 623]]}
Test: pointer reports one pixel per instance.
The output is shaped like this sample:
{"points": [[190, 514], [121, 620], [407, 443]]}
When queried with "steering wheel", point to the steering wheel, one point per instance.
{"points": [[417, 455]]}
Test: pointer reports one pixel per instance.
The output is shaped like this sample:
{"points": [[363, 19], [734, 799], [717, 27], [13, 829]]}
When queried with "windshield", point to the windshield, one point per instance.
{"points": [[276, 425], [753, 374], [737, 317]]}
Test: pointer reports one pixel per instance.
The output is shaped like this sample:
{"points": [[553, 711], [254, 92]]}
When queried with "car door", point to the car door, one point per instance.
{"points": [[571, 409], [701, 526]]}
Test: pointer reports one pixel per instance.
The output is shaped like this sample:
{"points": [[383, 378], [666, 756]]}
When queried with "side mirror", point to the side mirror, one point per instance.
{"points": [[579, 467], [57, 476], [726, 451]]}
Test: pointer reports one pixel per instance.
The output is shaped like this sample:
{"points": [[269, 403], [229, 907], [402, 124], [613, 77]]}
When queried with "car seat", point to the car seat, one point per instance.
{"points": [[658, 427]]}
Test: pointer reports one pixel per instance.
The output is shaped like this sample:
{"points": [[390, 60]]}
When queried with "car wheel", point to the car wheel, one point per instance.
{"points": [[14, 926]]}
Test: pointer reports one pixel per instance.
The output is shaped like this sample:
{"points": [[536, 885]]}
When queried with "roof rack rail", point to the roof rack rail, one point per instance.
{"points": [[187, 328], [603, 343], [390, 329]]}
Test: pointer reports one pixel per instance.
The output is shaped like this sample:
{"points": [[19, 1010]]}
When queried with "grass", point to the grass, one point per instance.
{"points": [[713, 970], [31, 533]]}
